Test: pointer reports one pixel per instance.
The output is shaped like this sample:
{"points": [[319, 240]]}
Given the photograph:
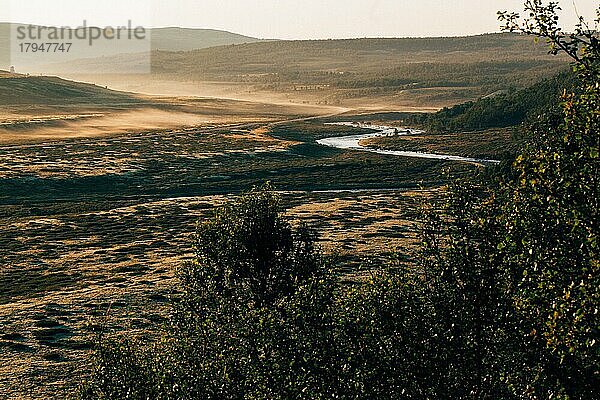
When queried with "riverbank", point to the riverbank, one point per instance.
{"points": [[361, 143], [495, 144]]}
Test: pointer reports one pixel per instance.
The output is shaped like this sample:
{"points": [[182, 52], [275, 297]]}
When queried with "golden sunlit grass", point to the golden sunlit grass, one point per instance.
{"points": [[113, 269]]}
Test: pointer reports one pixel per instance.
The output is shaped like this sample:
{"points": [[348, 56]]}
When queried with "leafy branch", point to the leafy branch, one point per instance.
{"points": [[542, 21]]}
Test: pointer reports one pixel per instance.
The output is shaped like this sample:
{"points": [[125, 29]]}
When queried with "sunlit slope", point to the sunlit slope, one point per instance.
{"points": [[502, 109], [20, 89]]}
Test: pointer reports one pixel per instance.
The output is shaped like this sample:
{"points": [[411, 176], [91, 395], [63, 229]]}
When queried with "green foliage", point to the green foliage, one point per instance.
{"points": [[501, 110], [248, 247], [551, 218], [125, 370], [252, 320], [536, 236]]}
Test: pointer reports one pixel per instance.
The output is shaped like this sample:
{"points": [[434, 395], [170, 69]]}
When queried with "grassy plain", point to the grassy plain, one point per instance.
{"points": [[100, 191], [93, 229]]}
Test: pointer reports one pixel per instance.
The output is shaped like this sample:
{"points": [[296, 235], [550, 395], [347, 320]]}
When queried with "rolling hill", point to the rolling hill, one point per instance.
{"points": [[334, 70], [36, 90], [415, 72], [359, 62]]}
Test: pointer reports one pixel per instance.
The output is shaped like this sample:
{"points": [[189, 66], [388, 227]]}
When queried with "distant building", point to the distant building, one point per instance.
{"points": [[12, 70]]}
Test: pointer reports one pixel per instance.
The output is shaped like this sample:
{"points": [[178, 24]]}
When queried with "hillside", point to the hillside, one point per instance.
{"points": [[502, 109], [20, 89], [485, 128], [40, 108], [429, 71], [360, 63]]}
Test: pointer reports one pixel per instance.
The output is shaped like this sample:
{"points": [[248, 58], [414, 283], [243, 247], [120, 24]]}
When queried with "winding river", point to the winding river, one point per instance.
{"points": [[352, 142]]}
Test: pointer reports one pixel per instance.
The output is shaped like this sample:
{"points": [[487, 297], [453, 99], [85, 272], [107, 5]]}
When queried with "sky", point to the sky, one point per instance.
{"points": [[288, 19]]}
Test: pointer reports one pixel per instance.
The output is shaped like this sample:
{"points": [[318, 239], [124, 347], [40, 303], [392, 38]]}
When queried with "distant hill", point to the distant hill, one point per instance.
{"points": [[432, 71], [166, 39], [474, 66], [350, 55], [184, 39], [22, 90], [495, 61], [170, 39]]}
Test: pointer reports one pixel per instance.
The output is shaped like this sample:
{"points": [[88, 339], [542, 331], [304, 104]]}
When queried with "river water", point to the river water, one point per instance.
{"points": [[352, 142]]}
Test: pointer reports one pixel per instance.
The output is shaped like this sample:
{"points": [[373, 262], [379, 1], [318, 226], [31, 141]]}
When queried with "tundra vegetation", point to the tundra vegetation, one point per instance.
{"points": [[501, 303]]}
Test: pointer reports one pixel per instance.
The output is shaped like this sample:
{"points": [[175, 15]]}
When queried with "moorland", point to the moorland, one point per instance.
{"points": [[101, 190]]}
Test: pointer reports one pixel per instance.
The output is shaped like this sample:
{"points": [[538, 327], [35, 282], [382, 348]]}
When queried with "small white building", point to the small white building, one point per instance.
{"points": [[12, 70]]}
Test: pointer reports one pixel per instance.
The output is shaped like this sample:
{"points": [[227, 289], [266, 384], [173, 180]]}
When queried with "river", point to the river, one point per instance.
{"points": [[352, 142]]}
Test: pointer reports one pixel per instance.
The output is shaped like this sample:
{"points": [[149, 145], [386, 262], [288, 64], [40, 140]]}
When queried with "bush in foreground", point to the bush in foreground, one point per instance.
{"points": [[503, 303]]}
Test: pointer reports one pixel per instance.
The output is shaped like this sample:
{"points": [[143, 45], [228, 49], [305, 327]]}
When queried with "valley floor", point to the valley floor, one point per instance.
{"points": [[93, 227]]}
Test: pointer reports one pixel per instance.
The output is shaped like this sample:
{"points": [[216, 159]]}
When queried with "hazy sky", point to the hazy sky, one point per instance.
{"points": [[287, 19]]}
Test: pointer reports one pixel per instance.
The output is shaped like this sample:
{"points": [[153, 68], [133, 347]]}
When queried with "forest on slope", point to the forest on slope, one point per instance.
{"points": [[503, 109]]}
